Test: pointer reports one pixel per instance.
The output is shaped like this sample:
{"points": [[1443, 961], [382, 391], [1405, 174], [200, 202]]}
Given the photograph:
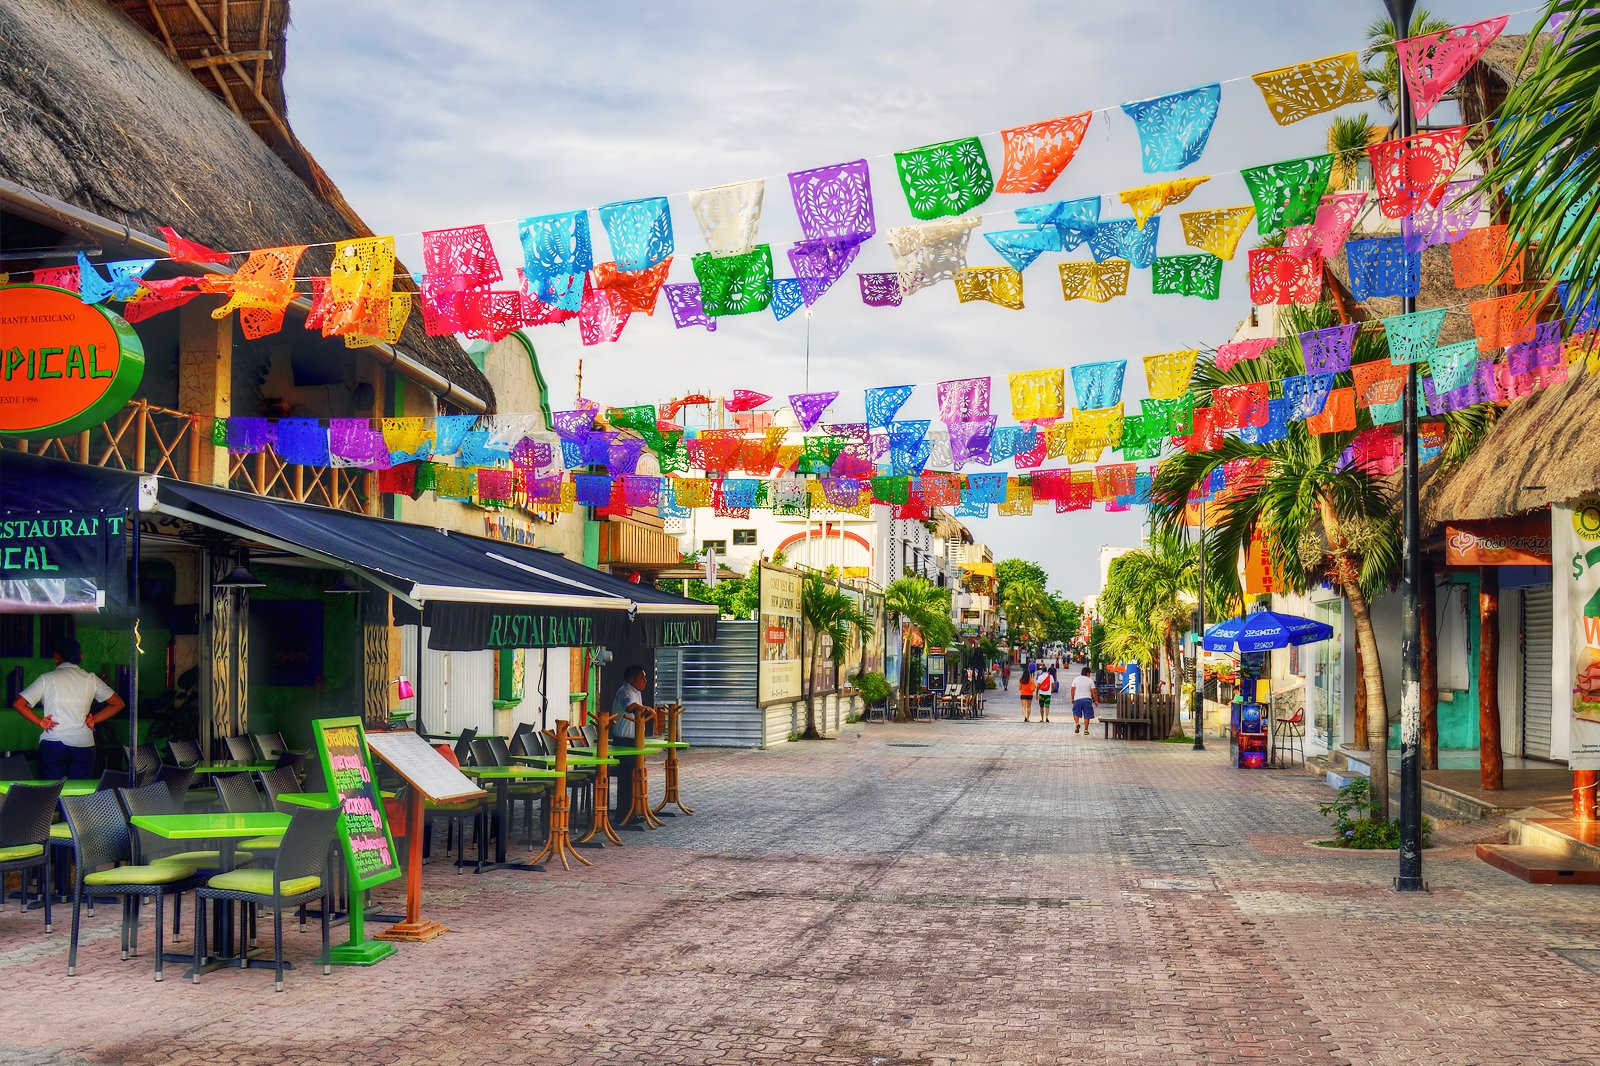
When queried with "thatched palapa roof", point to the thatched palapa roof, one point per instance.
{"points": [[115, 119]]}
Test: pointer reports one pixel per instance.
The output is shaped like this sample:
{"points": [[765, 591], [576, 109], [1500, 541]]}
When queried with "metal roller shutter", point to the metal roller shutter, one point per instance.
{"points": [[717, 684], [1537, 635]]}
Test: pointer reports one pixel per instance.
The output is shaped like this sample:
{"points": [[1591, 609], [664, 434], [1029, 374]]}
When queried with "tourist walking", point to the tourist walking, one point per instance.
{"points": [[1045, 688], [1083, 701], [1005, 677], [1025, 690]]}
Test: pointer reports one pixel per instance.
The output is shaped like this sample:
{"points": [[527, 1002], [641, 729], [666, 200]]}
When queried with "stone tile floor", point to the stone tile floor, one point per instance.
{"points": [[961, 892]]}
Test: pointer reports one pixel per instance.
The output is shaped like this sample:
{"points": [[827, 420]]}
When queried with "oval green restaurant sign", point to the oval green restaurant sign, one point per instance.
{"points": [[65, 365]]}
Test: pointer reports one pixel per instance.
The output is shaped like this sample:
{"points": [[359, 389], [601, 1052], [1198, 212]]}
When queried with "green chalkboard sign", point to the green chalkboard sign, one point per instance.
{"points": [[347, 770]]}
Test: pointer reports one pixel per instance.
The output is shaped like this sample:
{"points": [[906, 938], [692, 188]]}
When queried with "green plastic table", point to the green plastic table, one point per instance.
{"points": [[572, 760], [619, 752], [76, 787], [232, 766], [320, 800], [502, 776], [225, 829]]}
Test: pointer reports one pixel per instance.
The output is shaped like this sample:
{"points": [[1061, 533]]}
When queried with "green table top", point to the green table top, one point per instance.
{"points": [[82, 787], [614, 750], [572, 760], [212, 826], [497, 773], [231, 767], [319, 800]]}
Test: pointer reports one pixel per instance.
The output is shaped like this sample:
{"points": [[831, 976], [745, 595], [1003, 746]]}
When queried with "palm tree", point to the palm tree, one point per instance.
{"points": [[1382, 65], [1149, 593], [1321, 519], [1348, 140], [1028, 607], [831, 613], [925, 605], [1545, 165]]}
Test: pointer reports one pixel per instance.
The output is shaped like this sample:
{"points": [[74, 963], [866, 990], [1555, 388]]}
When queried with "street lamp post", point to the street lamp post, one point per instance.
{"points": [[1410, 876]]}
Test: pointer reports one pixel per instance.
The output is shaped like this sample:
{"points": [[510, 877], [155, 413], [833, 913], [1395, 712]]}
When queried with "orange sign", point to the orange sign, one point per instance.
{"points": [[64, 365], [1257, 565], [1499, 542]]}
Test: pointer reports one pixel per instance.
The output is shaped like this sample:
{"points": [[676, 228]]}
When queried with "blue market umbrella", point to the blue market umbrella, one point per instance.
{"points": [[1263, 631]]}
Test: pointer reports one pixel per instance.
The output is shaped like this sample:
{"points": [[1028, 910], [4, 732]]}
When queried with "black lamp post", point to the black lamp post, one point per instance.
{"points": [[1197, 699], [1410, 876]]}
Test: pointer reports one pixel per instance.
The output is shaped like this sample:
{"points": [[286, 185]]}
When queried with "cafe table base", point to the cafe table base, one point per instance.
{"points": [[674, 713], [639, 815], [600, 813], [502, 776]]}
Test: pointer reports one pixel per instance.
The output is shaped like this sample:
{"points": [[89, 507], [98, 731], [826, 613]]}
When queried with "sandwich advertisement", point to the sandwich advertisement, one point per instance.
{"points": [[1582, 579]]}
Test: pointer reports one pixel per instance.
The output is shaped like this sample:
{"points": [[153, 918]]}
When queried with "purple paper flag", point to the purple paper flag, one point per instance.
{"points": [[530, 454], [880, 290], [1444, 222], [641, 491], [834, 201], [353, 442], [687, 310], [247, 436], [963, 399], [624, 455], [819, 263], [594, 490], [1327, 351], [808, 406], [1543, 350], [969, 441], [573, 425]]}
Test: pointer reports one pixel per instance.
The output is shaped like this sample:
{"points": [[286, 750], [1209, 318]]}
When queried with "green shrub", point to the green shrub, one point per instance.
{"points": [[874, 688], [1357, 824]]}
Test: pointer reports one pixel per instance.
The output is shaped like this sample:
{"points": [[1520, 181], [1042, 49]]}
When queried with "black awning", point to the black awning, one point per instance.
{"points": [[476, 593], [63, 535]]}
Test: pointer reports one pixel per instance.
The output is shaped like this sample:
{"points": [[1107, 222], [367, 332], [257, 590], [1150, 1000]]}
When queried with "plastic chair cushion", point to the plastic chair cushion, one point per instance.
{"points": [[159, 873], [259, 882], [61, 831], [203, 859], [262, 843], [20, 852]]}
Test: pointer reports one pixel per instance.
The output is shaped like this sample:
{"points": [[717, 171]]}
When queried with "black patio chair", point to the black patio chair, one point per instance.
{"points": [[464, 747], [238, 794], [146, 763], [301, 873], [101, 839], [294, 761], [149, 848], [184, 752], [177, 779], [276, 782], [240, 749], [25, 819]]}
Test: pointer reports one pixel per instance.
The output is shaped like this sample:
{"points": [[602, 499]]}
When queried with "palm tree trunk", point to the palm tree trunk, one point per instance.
{"points": [[1348, 575], [811, 695]]}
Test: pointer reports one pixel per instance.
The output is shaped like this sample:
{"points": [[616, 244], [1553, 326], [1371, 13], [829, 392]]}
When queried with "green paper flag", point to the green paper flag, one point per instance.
{"points": [[1187, 275], [640, 419], [944, 179], [891, 489], [819, 454], [735, 284], [1287, 193], [1172, 418], [219, 432], [1143, 434]]}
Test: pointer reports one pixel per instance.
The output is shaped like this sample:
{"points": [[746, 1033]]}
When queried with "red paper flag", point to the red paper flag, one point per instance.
{"points": [[187, 251]]}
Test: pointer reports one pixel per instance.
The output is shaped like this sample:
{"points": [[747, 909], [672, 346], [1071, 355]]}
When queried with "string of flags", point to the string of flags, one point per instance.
{"points": [[562, 277], [591, 456]]}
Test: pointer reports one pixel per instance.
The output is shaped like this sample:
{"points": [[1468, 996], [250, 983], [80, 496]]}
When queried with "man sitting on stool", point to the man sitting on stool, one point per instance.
{"points": [[629, 701]]}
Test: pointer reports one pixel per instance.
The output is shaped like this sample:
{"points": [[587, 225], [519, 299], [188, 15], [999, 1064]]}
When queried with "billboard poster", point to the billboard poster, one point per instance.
{"points": [[779, 672], [1576, 528]]}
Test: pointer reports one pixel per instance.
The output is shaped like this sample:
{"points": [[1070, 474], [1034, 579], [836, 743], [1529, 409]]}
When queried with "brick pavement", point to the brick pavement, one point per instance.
{"points": [[909, 895]]}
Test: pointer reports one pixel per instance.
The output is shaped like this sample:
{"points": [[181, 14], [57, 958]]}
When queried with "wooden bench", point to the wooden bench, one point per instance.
{"points": [[1118, 728]]}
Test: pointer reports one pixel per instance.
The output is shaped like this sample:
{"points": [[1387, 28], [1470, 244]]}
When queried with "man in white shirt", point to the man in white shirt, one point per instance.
{"points": [[1044, 688], [628, 700], [1083, 701], [67, 696]]}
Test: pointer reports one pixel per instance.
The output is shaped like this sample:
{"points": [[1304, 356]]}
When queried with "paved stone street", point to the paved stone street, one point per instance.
{"points": [[984, 892]]}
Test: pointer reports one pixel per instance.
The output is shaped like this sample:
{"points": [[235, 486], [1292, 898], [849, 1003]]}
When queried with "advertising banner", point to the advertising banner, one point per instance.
{"points": [[1576, 531], [1523, 541], [779, 672]]}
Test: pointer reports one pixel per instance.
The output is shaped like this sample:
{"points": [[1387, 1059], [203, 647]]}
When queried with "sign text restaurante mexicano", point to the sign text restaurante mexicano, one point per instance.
{"points": [[534, 630]]}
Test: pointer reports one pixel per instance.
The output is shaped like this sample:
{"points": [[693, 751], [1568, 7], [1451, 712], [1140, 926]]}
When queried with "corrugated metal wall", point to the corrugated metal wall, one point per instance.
{"points": [[716, 684]]}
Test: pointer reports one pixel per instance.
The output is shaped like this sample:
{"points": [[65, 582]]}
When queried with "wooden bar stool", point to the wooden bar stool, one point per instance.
{"points": [[674, 713]]}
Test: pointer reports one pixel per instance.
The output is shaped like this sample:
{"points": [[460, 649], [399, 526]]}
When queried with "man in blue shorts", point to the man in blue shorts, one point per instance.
{"points": [[1083, 701]]}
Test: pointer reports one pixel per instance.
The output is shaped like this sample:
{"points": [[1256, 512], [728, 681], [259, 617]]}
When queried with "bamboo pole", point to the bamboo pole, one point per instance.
{"points": [[1491, 766]]}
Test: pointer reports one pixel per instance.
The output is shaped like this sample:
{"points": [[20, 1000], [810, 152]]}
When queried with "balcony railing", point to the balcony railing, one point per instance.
{"points": [[624, 542], [148, 439]]}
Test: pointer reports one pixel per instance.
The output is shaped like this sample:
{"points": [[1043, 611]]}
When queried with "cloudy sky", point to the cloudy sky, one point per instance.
{"points": [[462, 111]]}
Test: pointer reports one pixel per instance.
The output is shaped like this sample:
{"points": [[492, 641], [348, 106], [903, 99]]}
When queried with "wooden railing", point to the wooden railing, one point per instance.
{"points": [[150, 439]]}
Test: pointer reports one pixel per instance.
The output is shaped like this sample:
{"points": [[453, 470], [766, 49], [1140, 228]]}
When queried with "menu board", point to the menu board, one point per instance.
{"points": [[347, 769], [424, 769]]}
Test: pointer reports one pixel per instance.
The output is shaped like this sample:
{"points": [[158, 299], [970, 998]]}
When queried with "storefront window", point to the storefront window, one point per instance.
{"points": [[1326, 688]]}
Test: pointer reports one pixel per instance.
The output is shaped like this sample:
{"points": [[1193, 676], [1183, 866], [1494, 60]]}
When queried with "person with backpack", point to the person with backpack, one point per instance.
{"points": [[1045, 687], [1025, 690]]}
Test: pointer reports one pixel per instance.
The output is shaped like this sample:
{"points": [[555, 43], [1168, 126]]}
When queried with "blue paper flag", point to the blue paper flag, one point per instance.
{"points": [[556, 255], [1074, 220], [1306, 394], [594, 490], [1580, 305], [476, 450], [883, 404], [1020, 247], [1381, 266], [787, 297], [1275, 428], [123, 280], [640, 232], [449, 431], [740, 491], [303, 441], [1173, 128], [1123, 238], [902, 434], [909, 459], [971, 510], [1010, 441], [985, 488], [1098, 385]]}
